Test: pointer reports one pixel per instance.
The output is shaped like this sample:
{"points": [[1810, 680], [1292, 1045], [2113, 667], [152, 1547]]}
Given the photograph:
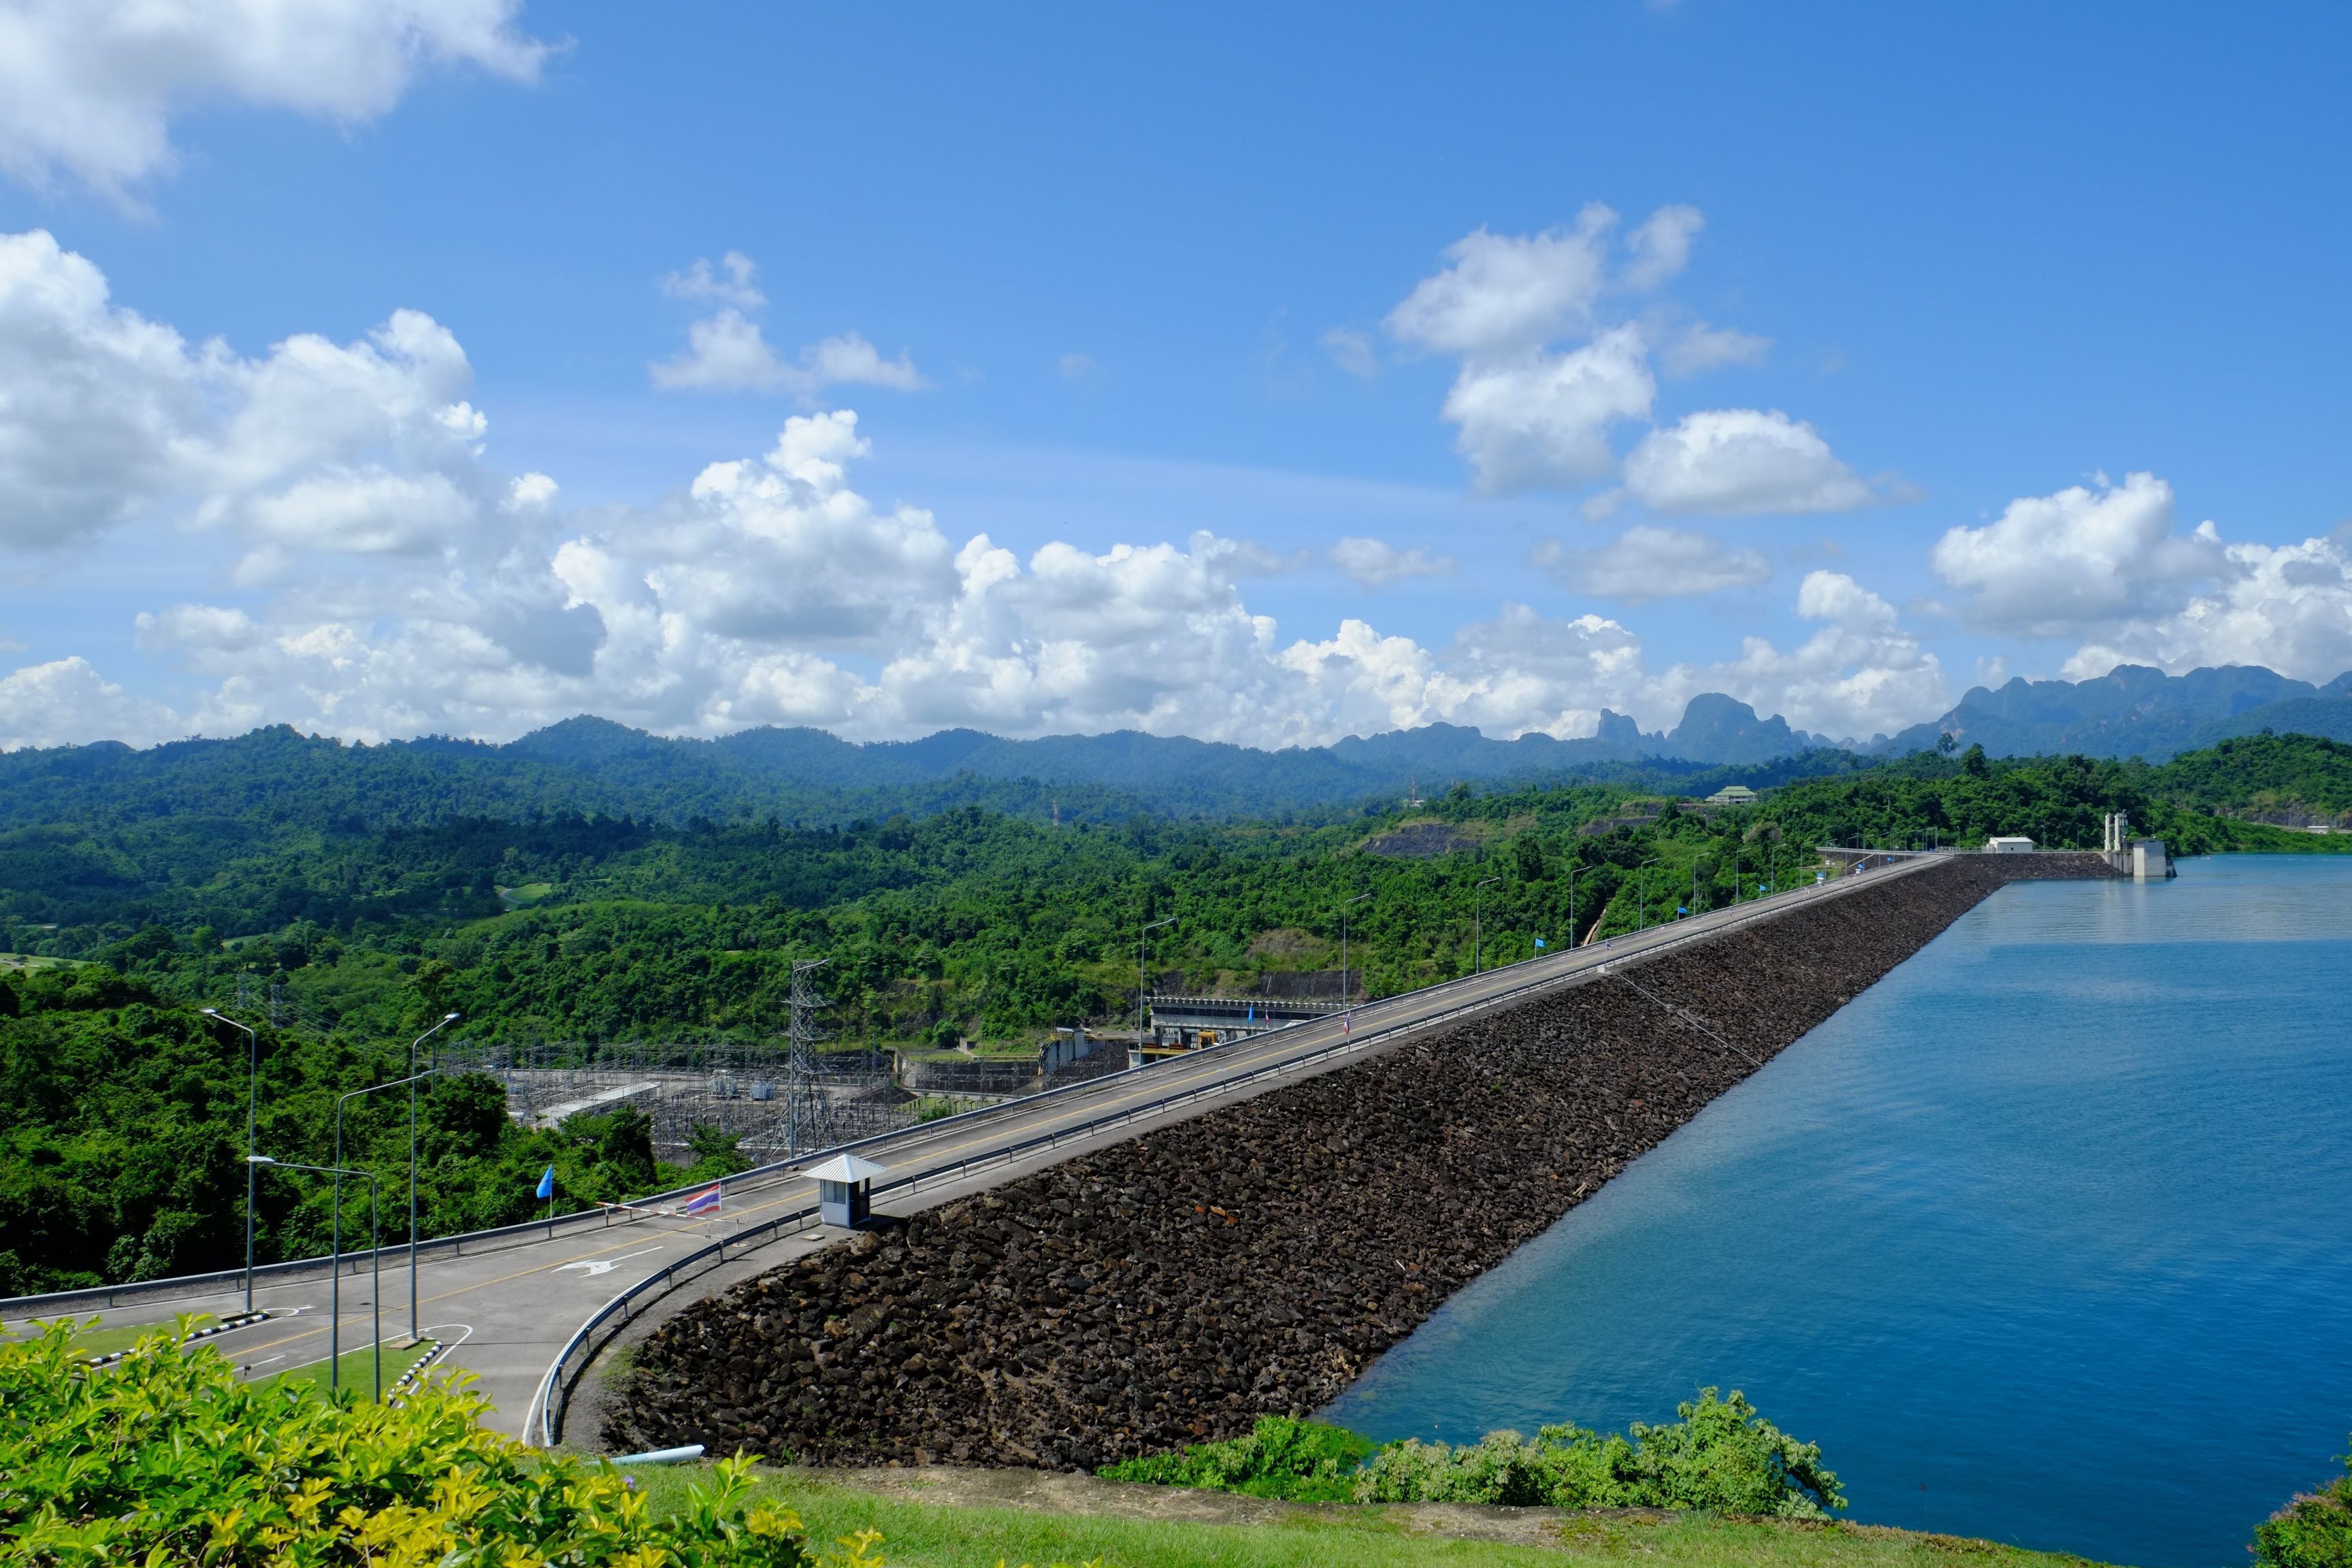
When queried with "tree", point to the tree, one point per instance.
{"points": [[1530, 853]]}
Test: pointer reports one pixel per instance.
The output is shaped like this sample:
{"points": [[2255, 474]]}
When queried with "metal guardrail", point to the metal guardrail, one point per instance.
{"points": [[107, 1297], [552, 1399], [353, 1262]]}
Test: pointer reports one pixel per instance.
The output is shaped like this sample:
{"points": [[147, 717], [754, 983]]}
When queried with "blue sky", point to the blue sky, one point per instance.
{"points": [[1842, 411]]}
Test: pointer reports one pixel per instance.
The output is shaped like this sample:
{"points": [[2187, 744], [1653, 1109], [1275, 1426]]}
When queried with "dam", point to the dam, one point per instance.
{"points": [[1151, 1292]]}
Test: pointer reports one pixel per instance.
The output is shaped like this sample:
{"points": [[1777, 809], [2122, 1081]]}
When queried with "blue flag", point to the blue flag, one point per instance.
{"points": [[547, 1184], [1539, 944]]}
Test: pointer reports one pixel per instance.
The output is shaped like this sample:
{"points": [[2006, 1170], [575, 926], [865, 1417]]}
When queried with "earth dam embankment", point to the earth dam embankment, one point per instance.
{"points": [[1254, 1260]]}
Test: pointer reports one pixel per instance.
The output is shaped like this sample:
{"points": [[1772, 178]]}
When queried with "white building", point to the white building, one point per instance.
{"points": [[2014, 843]]}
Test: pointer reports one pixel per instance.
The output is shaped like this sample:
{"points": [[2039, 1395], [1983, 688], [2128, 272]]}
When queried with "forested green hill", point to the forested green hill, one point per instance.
{"points": [[120, 1124]]}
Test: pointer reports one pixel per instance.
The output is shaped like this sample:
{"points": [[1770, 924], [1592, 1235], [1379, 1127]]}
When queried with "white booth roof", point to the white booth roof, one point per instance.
{"points": [[847, 1168]]}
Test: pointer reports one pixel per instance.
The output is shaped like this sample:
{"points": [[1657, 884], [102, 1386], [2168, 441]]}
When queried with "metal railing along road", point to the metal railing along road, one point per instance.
{"points": [[553, 1397], [530, 1232]]}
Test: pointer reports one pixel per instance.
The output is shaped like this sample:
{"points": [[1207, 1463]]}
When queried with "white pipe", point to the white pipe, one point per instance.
{"points": [[687, 1455]]}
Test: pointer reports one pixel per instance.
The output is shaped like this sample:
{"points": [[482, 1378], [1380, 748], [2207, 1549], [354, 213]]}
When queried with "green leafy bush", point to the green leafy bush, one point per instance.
{"points": [[166, 1457], [2315, 1530], [1305, 1461], [1721, 1457]]}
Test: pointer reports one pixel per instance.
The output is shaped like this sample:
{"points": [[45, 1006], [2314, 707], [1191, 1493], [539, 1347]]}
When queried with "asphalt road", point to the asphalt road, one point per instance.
{"points": [[504, 1314]]}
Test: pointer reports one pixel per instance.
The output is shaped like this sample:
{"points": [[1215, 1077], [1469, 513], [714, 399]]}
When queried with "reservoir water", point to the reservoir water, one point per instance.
{"points": [[2046, 1237]]}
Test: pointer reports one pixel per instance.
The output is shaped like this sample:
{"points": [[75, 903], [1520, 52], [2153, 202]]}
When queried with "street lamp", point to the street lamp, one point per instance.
{"points": [[335, 1298], [252, 1096], [1571, 904], [410, 1082], [412, 1076], [1642, 895], [1477, 932], [1142, 989], [1347, 992]]}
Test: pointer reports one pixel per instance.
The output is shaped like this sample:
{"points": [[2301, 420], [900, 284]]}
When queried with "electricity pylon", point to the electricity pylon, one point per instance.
{"points": [[806, 1118]]}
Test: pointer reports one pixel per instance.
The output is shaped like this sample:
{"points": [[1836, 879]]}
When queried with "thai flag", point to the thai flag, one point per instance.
{"points": [[706, 1201]]}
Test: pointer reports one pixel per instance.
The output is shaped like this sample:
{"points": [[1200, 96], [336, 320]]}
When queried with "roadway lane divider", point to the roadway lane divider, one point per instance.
{"points": [[226, 1325]]}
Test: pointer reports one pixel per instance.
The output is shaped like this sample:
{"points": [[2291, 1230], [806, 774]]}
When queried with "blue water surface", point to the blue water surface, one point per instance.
{"points": [[2045, 1238]]}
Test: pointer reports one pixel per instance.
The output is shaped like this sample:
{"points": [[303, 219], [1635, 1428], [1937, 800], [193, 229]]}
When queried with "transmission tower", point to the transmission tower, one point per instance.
{"points": [[806, 1107]]}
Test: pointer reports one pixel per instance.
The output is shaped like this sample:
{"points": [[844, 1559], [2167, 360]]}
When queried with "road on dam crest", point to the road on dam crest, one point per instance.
{"points": [[508, 1309]]}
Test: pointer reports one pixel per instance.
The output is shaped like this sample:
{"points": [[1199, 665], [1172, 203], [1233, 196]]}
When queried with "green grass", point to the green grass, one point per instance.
{"points": [[104, 1340], [923, 1535], [359, 1366], [35, 960]]}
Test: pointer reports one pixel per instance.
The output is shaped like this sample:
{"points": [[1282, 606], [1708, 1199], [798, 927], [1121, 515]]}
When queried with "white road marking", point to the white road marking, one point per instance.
{"points": [[592, 1267]]}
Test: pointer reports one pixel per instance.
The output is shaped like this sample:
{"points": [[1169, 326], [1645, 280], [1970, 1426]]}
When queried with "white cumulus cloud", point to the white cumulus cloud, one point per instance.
{"points": [[733, 282], [1546, 378], [1545, 419], [104, 415], [1647, 562], [66, 703], [1726, 462], [2086, 556], [2287, 606], [91, 87], [1699, 348], [1861, 675], [1376, 564], [1661, 246], [1508, 293], [726, 351], [393, 582]]}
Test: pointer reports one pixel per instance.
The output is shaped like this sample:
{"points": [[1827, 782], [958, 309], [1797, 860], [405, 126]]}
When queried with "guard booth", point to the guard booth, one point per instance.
{"points": [[844, 1191]]}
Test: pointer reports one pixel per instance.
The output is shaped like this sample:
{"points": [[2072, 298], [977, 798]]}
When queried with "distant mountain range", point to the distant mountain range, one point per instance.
{"points": [[2135, 712], [594, 765]]}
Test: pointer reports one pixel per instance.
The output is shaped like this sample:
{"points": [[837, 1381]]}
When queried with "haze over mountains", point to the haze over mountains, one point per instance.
{"points": [[593, 765]]}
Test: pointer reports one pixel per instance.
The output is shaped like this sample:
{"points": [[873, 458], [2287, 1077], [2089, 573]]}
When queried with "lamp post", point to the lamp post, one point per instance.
{"points": [[1571, 904], [409, 1083], [1642, 895], [1142, 989], [335, 1298], [252, 1098], [1478, 930], [412, 1076], [1347, 992]]}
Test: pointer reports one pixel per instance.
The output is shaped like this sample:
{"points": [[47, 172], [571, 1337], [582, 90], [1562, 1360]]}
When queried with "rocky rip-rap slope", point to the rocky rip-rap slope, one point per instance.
{"points": [[1255, 1259]]}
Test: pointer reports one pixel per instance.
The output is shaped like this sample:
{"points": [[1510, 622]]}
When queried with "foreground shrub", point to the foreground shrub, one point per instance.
{"points": [[2315, 1530], [166, 1457], [1721, 1457], [1305, 1461]]}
